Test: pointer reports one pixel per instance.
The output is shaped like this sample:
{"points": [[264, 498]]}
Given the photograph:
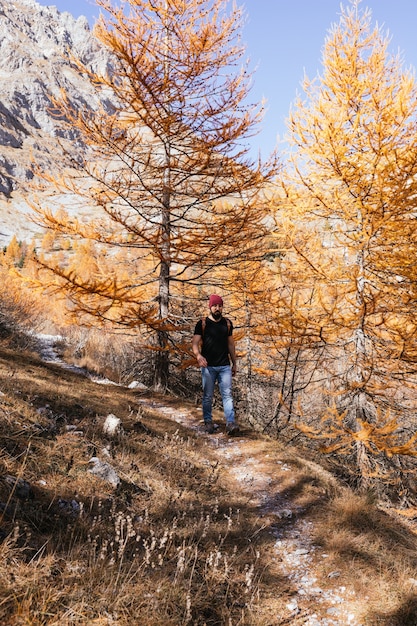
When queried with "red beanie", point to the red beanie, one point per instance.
{"points": [[215, 300]]}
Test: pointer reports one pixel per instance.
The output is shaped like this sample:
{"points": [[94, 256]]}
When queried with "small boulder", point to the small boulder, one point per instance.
{"points": [[112, 426], [19, 487], [104, 471]]}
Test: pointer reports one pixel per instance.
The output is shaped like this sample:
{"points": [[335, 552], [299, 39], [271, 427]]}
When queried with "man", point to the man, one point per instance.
{"points": [[214, 348]]}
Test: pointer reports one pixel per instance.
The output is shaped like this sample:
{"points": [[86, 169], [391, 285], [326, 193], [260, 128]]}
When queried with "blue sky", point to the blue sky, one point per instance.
{"points": [[284, 39]]}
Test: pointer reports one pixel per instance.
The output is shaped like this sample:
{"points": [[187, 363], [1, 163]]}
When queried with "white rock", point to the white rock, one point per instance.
{"points": [[135, 384], [104, 471], [292, 606], [112, 425]]}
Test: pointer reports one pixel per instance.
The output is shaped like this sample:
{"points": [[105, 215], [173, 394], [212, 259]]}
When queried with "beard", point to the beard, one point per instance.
{"points": [[217, 315]]}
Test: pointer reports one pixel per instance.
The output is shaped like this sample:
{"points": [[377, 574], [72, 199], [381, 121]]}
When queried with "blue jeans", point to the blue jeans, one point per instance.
{"points": [[223, 375]]}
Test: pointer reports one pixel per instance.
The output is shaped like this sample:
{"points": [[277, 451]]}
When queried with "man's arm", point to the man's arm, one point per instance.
{"points": [[196, 351], [232, 351]]}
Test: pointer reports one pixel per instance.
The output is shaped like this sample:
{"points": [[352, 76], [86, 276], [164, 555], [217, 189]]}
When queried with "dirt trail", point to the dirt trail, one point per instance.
{"points": [[251, 464], [255, 467]]}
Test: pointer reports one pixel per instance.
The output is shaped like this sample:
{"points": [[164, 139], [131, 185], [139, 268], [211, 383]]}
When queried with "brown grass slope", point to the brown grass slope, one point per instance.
{"points": [[192, 533]]}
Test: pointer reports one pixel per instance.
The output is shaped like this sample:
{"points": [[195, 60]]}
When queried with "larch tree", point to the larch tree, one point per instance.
{"points": [[349, 245], [172, 190]]}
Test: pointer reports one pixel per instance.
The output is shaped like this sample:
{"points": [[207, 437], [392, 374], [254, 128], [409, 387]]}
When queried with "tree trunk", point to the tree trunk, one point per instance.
{"points": [[162, 360]]}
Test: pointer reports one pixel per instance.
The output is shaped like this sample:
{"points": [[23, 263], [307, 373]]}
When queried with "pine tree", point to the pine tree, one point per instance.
{"points": [[174, 191], [350, 245]]}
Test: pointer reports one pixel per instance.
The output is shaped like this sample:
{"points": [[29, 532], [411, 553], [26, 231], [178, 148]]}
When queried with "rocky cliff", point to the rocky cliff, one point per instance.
{"points": [[35, 47]]}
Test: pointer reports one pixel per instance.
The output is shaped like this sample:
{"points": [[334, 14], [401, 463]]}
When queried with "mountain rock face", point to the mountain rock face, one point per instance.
{"points": [[35, 47]]}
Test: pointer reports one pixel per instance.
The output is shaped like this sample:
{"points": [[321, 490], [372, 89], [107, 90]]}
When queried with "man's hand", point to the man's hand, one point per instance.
{"points": [[201, 361]]}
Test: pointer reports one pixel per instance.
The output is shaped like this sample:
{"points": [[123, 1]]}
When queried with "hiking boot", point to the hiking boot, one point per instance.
{"points": [[209, 426], [232, 429]]}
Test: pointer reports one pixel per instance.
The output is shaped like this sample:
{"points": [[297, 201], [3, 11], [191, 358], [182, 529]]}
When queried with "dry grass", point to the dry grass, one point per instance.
{"points": [[116, 356], [377, 554], [180, 541], [169, 546]]}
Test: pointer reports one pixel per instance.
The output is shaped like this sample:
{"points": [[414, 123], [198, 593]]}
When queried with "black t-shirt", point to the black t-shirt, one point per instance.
{"points": [[215, 341]]}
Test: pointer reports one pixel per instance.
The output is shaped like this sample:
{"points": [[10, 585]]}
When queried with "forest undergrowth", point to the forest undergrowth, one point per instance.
{"points": [[196, 529]]}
